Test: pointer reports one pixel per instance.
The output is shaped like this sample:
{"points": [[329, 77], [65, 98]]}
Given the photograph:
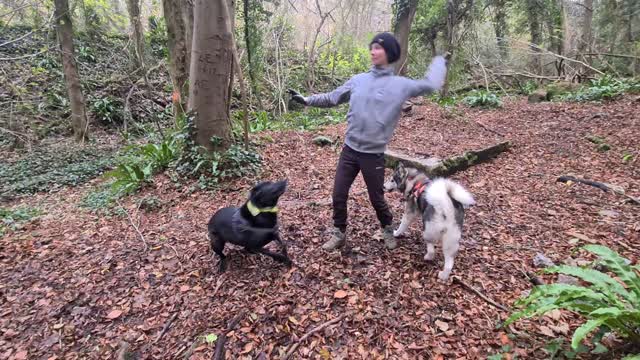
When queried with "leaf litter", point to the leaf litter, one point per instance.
{"points": [[84, 280]]}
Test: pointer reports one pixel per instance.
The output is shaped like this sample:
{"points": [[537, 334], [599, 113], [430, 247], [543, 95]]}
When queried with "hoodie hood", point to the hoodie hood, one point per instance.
{"points": [[381, 70]]}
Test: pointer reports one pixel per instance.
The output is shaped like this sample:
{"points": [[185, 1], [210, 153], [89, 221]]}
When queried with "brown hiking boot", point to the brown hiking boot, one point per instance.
{"points": [[389, 240], [337, 240]]}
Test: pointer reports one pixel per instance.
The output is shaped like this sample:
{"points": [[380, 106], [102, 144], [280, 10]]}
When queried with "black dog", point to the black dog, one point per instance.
{"points": [[253, 225]]}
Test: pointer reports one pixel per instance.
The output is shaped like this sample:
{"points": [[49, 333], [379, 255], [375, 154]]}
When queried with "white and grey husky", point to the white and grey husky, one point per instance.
{"points": [[440, 202]]}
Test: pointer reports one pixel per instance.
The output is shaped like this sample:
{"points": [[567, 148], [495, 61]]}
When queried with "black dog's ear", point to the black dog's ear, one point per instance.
{"points": [[261, 185], [281, 186]]}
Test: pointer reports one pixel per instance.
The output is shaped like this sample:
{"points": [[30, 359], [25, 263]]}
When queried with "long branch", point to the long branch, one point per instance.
{"points": [[545, 51], [46, 24]]}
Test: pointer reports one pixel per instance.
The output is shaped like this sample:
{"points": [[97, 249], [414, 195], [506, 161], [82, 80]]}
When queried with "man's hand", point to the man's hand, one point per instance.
{"points": [[297, 97]]}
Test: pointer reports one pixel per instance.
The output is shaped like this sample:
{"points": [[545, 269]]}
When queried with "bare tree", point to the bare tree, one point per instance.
{"points": [[578, 17], [500, 26], [406, 10], [210, 70], [178, 53], [533, 15], [457, 12], [133, 7], [64, 30], [312, 51]]}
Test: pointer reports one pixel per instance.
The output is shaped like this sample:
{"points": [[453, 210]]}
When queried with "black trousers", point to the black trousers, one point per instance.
{"points": [[372, 166]]}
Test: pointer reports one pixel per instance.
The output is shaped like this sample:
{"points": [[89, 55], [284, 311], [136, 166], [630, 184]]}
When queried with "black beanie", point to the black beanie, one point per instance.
{"points": [[390, 44]]}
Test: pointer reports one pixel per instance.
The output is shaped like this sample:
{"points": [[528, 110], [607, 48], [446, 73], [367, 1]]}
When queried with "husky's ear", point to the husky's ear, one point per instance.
{"points": [[400, 167], [411, 172]]}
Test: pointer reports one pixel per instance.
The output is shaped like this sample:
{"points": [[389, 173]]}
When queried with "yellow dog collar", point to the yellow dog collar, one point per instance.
{"points": [[255, 211]]}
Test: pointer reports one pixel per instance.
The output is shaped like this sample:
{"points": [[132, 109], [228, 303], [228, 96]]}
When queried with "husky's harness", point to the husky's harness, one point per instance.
{"points": [[418, 188]]}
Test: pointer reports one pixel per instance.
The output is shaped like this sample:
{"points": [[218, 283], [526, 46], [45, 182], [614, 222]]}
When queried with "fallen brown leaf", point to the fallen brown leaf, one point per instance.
{"points": [[340, 294], [114, 314], [443, 326]]}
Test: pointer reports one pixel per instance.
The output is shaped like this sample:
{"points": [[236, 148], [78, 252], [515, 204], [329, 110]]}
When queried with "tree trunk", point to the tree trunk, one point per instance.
{"points": [[133, 7], [250, 30], [210, 71], [586, 38], [178, 55], [187, 19], [500, 27], [554, 28], [232, 13], [533, 14], [577, 17], [406, 10], [64, 31], [449, 35]]}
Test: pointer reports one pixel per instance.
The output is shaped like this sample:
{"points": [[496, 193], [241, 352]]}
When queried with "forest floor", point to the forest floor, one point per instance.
{"points": [[75, 284]]}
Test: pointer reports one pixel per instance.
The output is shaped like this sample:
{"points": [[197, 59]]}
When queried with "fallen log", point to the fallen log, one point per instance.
{"points": [[437, 167]]}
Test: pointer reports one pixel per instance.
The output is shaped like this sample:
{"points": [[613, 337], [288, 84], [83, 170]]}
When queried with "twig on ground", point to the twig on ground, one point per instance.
{"points": [[166, 327], [219, 353], [135, 227], [459, 281], [488, 128], [600, 185], [218, 285], [293, 347]]}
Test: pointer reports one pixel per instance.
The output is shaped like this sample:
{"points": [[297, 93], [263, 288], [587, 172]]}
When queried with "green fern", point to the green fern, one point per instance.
{"points": [[605, 303]]}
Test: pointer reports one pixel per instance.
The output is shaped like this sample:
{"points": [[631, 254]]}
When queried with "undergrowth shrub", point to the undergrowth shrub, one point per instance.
{"points": [[527, 88], [212, 167], [604, 88], [482, 98], [179, 152], [607, 304], [108, 110], [14, 219], [309, 120], [46, 169]]}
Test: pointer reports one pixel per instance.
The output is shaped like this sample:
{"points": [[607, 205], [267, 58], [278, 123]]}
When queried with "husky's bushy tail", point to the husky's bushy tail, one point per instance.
{"points": [[440, 193]]}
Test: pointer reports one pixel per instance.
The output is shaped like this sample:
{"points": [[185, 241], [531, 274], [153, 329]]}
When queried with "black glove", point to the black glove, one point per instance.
{"points": [[297, 97]]}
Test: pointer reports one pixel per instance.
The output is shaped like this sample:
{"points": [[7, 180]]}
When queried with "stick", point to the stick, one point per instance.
{"points": [[220, 282], [219, 353], [135, 227], [600, 185], [292, 348], [457, 280], [25, 56], [166, 328]]}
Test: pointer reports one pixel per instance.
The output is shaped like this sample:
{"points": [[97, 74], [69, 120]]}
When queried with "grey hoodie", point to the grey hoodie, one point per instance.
{"points": [[375, 101]]}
